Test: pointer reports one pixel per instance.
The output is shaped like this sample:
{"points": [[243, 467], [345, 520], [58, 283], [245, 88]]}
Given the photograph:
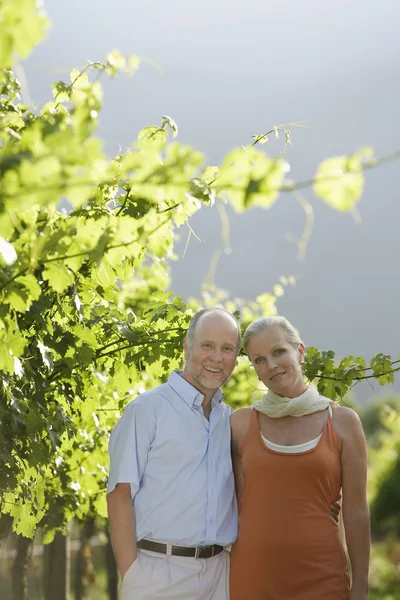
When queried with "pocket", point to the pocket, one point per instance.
{"points": [[130, 570]]}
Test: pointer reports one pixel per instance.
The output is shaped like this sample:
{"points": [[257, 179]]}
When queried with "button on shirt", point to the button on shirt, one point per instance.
{"points": [[178, 464]]}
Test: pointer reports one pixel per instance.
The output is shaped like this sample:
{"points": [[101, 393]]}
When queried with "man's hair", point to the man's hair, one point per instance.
{"points": [[204, 311]]}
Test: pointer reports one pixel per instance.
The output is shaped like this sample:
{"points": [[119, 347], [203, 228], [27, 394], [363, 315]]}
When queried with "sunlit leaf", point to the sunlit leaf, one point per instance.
{"points": [[339, 181]]}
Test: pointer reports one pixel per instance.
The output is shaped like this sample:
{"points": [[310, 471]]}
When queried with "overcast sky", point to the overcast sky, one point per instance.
{"points": [[233, 69]]}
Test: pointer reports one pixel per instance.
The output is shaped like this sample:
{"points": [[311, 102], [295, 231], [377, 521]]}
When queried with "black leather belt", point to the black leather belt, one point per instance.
{"points": [[197, 552]]}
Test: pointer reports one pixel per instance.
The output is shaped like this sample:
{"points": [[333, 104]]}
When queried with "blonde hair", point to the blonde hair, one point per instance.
{"points": [[260, 325]]}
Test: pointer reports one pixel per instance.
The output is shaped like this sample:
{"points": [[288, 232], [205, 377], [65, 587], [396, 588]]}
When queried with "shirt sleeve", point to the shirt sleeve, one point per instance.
{"points": [[130, 444]]}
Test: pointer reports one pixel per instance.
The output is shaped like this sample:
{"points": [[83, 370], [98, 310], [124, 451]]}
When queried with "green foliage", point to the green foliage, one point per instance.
{"points": [[385, 474], [339, 180], [22, 25], [334, 379], [249, 178], [373, 418], [85, 246], [384, 577]]}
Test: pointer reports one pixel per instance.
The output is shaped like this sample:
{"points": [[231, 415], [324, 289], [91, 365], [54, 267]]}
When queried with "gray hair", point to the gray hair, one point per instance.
{"points": [[260, 325], [205, 311]]}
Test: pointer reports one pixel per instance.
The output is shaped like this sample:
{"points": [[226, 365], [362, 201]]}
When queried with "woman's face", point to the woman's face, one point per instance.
{"points": [[277, 363]]}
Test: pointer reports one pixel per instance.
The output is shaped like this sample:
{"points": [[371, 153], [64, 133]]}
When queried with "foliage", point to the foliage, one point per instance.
{"points": [[22, 25], [384, 476], [373, 417], [342, 194], [384, 577], [85, 243]]}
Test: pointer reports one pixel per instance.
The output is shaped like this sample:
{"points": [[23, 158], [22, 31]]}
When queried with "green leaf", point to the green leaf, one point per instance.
{"points": [[167, 121], [153, 133], [61, 91], [18, 299], [339, 181], [20, 294], [381, 365], [23, 25], [116, 62], [249, 178], [6, 360], [59, 276]]}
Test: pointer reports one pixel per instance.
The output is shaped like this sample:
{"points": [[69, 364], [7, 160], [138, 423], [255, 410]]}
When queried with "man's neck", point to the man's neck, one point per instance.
{"points": [[206, 404], [208, 394]]}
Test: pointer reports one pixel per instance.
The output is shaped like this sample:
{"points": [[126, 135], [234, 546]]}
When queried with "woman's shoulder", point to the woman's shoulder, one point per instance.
{"points": [[240, 420], [345, 414], [241, 414], [346, 420]]}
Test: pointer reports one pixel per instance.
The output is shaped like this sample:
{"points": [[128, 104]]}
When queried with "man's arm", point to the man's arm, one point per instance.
{"points": [[129, 446], [355, 505], [121, 518]]}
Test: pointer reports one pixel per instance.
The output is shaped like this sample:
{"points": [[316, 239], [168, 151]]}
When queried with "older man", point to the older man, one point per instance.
{"points": [[171, 497]]}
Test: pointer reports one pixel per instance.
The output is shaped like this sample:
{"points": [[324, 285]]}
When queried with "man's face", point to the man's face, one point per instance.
{"points": [[211, 357]]}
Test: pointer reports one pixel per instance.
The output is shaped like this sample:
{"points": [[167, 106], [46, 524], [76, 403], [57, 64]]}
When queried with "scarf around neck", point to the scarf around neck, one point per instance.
{"points": [[275, 406]]}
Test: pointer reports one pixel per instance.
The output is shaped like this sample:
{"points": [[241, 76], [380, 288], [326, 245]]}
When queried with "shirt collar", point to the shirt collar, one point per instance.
{"points": [[188, 393]]}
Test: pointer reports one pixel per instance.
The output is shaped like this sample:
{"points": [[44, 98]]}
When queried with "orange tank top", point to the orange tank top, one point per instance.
{"points": [[289, 547]]}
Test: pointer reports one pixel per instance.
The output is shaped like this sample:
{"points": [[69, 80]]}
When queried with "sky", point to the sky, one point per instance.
{"points": [[229, 70]]}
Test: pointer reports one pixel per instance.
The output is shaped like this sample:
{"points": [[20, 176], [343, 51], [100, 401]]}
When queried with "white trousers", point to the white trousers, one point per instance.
{"points": [[156, 576]]}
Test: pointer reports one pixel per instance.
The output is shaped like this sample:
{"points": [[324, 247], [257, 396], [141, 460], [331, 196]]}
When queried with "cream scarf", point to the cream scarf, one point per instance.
{"points": [[275, 406]]}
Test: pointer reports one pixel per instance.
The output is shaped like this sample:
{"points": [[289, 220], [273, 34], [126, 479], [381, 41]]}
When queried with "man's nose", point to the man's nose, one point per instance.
{"points": [[217, 355]]}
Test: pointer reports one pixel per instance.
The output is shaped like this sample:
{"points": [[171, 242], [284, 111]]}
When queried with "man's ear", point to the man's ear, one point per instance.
{"points": [[185, 348], [301, 352]]}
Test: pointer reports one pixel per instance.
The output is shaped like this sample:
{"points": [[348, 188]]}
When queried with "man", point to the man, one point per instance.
{"points": [[171, 485]]}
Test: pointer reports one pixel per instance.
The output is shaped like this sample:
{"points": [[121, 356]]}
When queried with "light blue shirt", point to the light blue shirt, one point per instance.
{"points": [[178, 464]]}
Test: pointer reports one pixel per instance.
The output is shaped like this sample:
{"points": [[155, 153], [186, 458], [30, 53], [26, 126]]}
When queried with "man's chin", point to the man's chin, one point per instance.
{"points": [[212, 383]]}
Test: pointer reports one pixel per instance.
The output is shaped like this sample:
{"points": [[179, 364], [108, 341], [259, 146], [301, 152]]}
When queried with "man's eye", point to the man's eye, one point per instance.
{"points": [[228, 349], [258, 361]]}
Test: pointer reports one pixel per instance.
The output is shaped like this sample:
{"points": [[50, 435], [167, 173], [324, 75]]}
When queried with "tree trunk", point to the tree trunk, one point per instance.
{"points": [[20, 569], [57, 568], [85, 573], [6, 522], [112, 571]]}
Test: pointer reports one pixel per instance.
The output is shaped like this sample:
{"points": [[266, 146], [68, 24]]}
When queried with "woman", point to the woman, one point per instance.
{"points": [[293, 452]]}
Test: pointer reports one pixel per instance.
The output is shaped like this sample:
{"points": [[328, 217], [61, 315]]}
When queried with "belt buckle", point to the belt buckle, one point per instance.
{"points": [[198, 551]]}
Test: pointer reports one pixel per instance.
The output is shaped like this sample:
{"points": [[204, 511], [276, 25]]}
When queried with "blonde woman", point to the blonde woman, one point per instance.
{"points": [[293, 453]]}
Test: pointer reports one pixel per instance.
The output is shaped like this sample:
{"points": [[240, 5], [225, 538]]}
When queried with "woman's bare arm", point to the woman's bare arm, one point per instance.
{"points": [[355, 505], [239, 423]]}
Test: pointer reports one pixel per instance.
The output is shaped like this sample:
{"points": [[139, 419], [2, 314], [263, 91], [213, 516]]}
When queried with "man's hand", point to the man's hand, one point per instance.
{"points": [[125, 570], [335, 510], [121, 516]]}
